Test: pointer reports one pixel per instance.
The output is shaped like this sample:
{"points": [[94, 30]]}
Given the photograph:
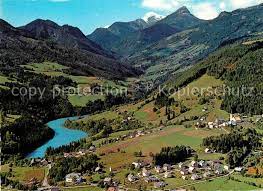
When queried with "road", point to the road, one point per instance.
{"points": [[45, 181]]}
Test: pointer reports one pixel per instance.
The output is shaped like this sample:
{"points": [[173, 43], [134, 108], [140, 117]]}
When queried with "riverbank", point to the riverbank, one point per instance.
{"points": [[63, 136]]}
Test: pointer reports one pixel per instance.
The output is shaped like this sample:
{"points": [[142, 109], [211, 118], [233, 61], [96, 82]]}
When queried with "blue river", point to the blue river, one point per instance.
{"points": [[63, 136]]}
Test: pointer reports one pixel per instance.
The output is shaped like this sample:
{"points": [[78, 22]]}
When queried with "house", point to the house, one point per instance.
{"points": [[159, 184], [226, 167], [180, 165], [159, 169], [167, 167], [184, 171], [194, 164], [145, 172], [168, 174], [238, 169], [98, 169], [195, 177], [132, 178], [92, 148], [207, 150], [73, 178], [151, 179], [107, 181], [137, 165], [44, 162], [82, 151], [202, 163], [184, 177], [235, 118], [207, 174], [210, 125], [67, 155], [191, 169]]}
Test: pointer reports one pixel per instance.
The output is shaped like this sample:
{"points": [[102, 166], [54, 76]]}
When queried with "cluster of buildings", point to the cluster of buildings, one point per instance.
{"points": [[194, 170], [234, 120], [197, 170], [40, 162], [148, 176], [80, 153]]}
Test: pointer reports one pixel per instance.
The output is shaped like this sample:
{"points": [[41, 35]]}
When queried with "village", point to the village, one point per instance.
{"points": [[153, 176]]}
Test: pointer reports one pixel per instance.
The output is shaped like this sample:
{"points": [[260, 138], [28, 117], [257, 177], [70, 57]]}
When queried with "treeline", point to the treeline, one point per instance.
{"points": [[240, 66], [64, 166], [28, 131], [238, 144], [74, 146], [163, 99], [104, 127], [23, 136], [172, 155], [101, 105]]}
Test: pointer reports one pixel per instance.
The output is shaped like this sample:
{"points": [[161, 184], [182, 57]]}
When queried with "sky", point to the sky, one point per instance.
{"points": [[91, 14]]}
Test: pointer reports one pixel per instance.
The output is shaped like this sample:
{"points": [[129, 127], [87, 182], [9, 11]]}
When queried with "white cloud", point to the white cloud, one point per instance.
{"points": [[162, 4], [244, 3], [152, 14], [222, 5], [205, 11]]}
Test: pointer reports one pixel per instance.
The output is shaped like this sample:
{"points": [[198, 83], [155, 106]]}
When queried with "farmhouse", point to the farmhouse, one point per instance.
{"points": [[195, 177], [92, 148], [202, 164], [207, 150], [194, 164], [151, 179], [159, 169], [98, 169], [73, 177], [168, 174], [132, 178], [180, 165], [137, 165], [184, 171], [191, 169], [226, 167], [167, 167], [145, 172], [238, 169], [107, 181], [235, 118]]}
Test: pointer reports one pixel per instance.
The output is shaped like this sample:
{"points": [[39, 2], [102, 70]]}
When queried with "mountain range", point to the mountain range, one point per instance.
{"points": [[132, 39], [181, 39], [158, 46], [44, 40]]}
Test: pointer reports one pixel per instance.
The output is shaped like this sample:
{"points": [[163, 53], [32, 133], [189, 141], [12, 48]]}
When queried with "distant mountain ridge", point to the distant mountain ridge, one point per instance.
{"points": [[42, 41], [189, 46], [151, 32], [182, 19], [65, 35]]}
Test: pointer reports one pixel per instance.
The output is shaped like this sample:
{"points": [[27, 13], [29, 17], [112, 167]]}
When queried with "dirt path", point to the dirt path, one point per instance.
{"points": [[45, 181]]}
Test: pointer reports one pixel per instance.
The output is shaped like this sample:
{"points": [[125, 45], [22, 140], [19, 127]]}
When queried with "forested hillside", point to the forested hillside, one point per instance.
{"points": [[240, 66]]}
